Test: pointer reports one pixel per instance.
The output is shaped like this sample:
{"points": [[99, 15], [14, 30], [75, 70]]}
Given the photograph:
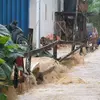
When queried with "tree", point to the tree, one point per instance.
{"points": [[94, 6], [9, 51]]}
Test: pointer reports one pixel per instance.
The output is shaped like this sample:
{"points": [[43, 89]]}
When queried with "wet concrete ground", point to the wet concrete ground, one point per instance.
{"points": [[90, 90]]}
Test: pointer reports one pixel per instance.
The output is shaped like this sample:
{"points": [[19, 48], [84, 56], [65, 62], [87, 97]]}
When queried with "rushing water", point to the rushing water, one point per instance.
{"points": [[90, 90]]}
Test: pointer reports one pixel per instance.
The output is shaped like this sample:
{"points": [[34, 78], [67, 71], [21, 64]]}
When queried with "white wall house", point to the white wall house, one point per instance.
{"points": [[47, 16]]}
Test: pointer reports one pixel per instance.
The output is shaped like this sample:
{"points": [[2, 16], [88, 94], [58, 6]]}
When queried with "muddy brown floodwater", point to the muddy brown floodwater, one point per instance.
{"points": [[84, 83]]}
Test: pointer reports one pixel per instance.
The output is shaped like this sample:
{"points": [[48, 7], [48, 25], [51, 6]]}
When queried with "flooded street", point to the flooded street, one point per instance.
{"points": [[89, 72]]}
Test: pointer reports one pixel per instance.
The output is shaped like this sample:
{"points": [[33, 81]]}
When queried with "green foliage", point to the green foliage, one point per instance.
{"points": [[3, 39], [90, 2], [2, 61], [94, 6], [8, 53], [96, 21]]}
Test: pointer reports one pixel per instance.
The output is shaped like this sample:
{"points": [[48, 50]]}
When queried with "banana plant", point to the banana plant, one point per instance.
{"points": [[94, 6], [8, 53]]}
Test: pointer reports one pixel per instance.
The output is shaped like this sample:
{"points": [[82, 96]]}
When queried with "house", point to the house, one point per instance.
{"points": [[25, 12], [47, 16]]}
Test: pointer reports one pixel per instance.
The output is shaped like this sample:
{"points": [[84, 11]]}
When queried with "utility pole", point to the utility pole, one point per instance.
{"points": [[38, 8]]}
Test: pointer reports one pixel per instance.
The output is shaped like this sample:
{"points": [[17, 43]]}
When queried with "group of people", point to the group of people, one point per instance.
{"points": [[94, 39]]}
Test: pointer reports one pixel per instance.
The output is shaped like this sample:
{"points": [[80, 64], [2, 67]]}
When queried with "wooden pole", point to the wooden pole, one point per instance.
{"points": [[55, 48], [28, 59], [75, 24]]}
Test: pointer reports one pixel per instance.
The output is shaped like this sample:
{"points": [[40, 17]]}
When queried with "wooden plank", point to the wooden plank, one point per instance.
{"points": [[32, 52], [70, 53]]}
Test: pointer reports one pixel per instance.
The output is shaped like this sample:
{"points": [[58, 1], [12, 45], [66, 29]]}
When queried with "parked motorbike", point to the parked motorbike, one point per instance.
{"points": [[16, 33]]}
